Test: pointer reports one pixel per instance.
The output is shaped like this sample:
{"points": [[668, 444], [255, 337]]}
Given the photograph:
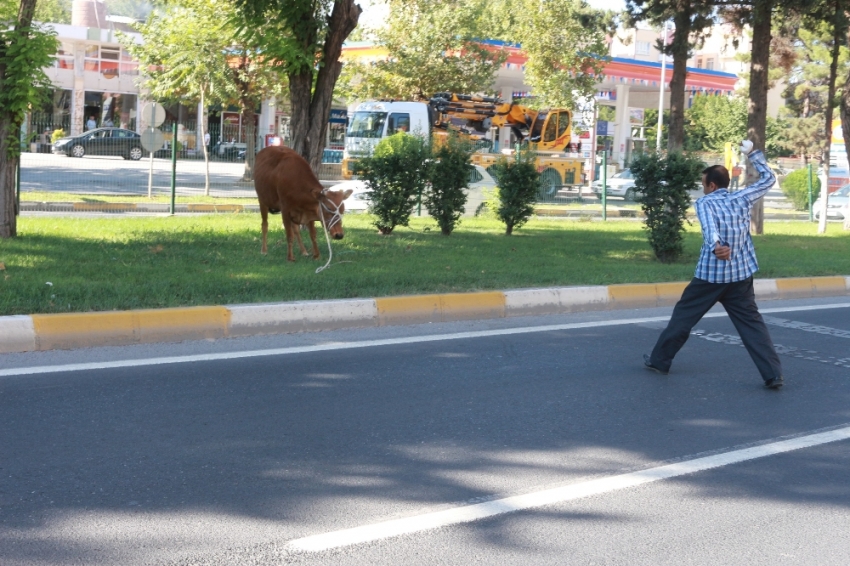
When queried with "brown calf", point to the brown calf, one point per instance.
{"points": [[285, 183]]}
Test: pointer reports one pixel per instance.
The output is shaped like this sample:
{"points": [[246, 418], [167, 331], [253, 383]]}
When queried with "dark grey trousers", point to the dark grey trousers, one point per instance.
{"points": [[739, 300]]}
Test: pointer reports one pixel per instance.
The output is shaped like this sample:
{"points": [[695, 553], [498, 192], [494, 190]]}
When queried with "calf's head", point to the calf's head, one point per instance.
{"points": [[332, 208]]}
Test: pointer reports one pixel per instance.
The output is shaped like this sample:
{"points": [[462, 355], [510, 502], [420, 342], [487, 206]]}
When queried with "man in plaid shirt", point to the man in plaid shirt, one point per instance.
{"points": [[724, 272]]}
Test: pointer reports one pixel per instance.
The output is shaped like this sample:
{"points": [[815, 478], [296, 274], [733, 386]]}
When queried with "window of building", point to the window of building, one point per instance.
{"points": [[699, 63], [108, 60], [92, 62], [709, 64], [127, 65], [65, 56], [642, 48]]}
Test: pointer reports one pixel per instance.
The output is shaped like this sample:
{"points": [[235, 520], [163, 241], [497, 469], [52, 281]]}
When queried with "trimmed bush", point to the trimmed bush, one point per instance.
{"points": [[449, 181], [56, 135], [796, 189], [397, 173], [519, 183], [663, 184]]}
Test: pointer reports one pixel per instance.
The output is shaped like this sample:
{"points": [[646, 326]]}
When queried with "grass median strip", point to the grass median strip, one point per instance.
{"points": [[60, 265]]}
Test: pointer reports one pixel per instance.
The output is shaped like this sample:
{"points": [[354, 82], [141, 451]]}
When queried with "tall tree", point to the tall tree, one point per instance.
{"points": [[184, 57], [831, 16], [759, 15], [564, 41], [431, 47], [690, 19], [192, 53], [309, 49], [25, 50]]}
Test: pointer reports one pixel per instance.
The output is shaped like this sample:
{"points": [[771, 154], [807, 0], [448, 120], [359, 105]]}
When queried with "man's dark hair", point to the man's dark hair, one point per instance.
{"points": [[718, 175]]}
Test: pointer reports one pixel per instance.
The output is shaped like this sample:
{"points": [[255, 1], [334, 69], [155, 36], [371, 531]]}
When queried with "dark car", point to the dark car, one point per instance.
{"points": [[102, 141]]}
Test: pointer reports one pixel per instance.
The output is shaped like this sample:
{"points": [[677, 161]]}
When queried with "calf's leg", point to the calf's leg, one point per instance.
{"points": [[264, 214], [289, 227], [300, 241], [311, 227]]}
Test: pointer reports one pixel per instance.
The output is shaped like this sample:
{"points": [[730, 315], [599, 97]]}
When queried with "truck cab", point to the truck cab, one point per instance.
{"points": [[370, 122]]}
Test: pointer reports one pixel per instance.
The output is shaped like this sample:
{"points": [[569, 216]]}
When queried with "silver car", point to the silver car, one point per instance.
{"points": [[837, 205], [621, 184]]}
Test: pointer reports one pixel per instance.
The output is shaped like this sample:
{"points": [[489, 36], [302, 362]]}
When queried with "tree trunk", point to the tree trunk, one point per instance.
{"points": [[10, 126], [844, 112], [311, 109], [837, 34], [8, 202], [757, 108], [202, 131], [250, 116], [680, 48]]}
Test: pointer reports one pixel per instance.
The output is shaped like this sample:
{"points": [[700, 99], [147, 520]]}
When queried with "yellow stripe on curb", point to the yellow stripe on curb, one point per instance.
{"points": [[829, 286], [95, 206], [214, 207], [81, 330], [794, 287], [669, 293], [463, 306], [634, 296], [440, 308]]}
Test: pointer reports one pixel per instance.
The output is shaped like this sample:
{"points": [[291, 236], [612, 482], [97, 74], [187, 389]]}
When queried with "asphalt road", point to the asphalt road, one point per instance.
{"points": [[548, 430], [116, 176]]}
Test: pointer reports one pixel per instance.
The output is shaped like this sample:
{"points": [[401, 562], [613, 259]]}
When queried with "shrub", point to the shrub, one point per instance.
{"points": [[449, 179], [56, 135], [663, 184], [518, 182], [397, 173], [795, 187]]}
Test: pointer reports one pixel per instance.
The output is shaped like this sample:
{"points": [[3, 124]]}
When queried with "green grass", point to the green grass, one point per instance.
{"points": [[131, 262]]}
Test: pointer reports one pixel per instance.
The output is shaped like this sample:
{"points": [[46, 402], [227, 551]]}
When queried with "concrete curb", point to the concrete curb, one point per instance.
{"points": [[161, 208], [28, 333]]}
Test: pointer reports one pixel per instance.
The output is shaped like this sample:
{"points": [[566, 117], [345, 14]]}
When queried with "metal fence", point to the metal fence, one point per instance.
{"points": [[568, 178], [110, 165]]}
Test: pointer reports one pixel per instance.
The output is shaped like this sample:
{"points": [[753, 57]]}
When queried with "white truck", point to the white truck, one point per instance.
{"points": [[472, 116]]}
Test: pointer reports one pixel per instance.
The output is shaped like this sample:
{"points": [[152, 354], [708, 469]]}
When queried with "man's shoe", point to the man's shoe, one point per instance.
{"points": [[652, 367], [774, 382]]}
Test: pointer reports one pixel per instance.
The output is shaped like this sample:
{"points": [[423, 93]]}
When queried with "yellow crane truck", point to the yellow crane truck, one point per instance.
{"points": [[547, 131]]}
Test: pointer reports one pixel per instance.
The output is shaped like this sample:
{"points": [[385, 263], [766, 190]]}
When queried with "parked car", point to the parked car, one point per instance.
{"points": [[102, 141], [621, 184], [229, 150], [837, 205], [479, 182]]}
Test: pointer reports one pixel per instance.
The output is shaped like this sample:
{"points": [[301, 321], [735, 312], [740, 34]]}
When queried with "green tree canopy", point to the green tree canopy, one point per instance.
{"points": [[308, 44], [433, 47]]}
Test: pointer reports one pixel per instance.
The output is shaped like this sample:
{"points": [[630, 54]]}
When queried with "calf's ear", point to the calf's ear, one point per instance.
{"points": [[347, 194]]}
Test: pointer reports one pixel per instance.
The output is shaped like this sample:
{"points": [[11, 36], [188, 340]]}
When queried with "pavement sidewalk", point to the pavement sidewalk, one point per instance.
{"points": [[41, 332]]}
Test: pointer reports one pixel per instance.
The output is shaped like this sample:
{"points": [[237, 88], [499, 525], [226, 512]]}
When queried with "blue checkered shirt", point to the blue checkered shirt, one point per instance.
{"points": [[725, 218]]}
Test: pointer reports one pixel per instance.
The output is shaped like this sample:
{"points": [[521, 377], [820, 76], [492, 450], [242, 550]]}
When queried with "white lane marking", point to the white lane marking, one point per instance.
{"points": [[807, 327], [35, 370], [811, 355], [437, 519]]}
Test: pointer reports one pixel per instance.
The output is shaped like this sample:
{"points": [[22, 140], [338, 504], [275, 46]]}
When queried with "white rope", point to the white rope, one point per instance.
{"points": [[337, 217]]}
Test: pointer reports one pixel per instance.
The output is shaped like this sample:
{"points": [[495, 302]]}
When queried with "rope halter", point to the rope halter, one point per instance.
{"points": [[331, 208], [335, 218]]}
